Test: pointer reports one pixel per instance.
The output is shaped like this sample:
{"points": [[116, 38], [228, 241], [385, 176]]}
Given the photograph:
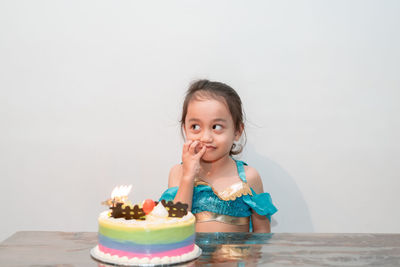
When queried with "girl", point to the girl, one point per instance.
{"points": [[224, 194]]}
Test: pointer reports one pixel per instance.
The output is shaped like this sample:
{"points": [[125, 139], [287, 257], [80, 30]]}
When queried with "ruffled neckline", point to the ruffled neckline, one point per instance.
{"points": [[230, 193]]}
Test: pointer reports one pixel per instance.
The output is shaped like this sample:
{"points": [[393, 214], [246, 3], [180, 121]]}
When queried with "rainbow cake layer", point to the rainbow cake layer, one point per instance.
{"points": [[155, 240]]}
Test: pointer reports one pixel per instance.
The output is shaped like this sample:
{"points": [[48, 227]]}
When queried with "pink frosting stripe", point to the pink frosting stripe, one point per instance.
{"points": [[170, 253]]}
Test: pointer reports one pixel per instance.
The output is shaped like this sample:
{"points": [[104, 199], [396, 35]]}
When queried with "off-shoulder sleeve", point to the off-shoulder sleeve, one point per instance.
{"points": [[261, 203], [169, 194]]}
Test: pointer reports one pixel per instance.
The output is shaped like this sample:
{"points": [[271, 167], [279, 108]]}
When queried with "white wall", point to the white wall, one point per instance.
{"points": [[91, 91]]}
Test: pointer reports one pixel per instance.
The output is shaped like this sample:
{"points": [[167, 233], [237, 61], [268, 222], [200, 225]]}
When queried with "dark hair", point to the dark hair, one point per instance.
{"points": [[218, 91]]}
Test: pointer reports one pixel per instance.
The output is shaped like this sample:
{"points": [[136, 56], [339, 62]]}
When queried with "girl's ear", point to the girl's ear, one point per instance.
{"points": [[239, 132]]}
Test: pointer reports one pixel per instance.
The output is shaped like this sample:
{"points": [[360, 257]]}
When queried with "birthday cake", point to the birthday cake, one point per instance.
{"points": [[147, 233]]}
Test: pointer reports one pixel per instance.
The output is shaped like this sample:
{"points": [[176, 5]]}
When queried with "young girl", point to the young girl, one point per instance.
{"points": [[224, 194]]}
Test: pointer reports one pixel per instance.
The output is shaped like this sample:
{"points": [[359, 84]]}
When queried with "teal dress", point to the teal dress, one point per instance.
{"points": [[205, 199]]}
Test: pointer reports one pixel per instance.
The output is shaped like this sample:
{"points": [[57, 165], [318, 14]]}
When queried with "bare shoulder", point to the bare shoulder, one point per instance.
{"points": [[175, 175], [253, 179]]}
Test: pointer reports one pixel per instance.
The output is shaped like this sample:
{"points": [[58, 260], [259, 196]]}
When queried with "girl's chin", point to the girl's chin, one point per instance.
{"points": [[206, 157], [209, 158]]}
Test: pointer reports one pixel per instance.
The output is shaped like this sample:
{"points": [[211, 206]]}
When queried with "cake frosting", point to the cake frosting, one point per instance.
{"points": [[161, 236]]}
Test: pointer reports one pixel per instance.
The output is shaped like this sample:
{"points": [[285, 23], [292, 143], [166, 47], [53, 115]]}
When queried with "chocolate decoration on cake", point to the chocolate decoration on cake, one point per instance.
{"points": [[117, 211], [178, 209], [120, 210], [127, 212], [135, 213]]}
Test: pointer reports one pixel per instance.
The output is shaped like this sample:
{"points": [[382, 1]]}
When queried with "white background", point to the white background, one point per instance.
{"points": [[91, 94]]}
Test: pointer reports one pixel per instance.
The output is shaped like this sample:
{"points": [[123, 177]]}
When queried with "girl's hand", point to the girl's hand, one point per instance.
{"points": [[192, 152]]}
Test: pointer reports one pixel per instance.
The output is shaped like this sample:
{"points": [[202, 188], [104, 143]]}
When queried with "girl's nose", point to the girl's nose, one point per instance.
{"points": [[206, 137]]}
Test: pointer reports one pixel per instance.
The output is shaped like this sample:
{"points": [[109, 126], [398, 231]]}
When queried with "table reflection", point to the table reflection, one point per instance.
{"points": [[246, 254], [38, 248]]}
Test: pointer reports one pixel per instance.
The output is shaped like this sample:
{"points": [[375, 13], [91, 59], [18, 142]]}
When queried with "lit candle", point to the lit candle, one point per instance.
{"points": [[118, 195]]}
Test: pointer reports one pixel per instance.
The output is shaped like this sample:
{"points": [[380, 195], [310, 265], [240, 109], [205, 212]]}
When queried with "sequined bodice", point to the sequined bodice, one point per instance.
{"points": [[227, 202], [237, 200], [230, 193]]}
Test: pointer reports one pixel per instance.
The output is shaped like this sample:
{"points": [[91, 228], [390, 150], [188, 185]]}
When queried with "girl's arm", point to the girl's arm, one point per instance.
{"points": [[185, 185], [175, 175], [261, 224], [184, 176]]}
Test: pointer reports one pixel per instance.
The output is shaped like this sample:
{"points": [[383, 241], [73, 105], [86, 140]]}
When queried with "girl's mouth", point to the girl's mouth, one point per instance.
{"points": [[208, 147]]}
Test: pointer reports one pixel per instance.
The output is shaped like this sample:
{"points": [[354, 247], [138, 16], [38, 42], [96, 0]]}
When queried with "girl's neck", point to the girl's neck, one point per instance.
{"points": [[209, 169]]}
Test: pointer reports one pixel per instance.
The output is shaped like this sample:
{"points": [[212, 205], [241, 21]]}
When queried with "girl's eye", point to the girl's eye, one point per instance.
{"points": [[195, 127], [217, 127]]}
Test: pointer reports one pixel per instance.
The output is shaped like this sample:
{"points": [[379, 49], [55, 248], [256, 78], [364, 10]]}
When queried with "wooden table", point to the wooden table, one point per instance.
{"points": [[219, 249]]}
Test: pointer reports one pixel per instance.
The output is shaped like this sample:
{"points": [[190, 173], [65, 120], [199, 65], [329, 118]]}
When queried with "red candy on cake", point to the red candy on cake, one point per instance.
{"points": [[148, 206]]}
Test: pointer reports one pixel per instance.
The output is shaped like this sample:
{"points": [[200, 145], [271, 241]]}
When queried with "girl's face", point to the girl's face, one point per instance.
{"points": [[209, 121]]}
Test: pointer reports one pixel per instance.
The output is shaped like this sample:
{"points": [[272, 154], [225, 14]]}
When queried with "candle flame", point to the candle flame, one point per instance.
{"points": [[121, 191]]}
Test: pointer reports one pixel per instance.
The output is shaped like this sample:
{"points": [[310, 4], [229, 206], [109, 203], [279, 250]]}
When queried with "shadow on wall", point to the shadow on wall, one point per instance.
{"points": [[293, 214]]}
